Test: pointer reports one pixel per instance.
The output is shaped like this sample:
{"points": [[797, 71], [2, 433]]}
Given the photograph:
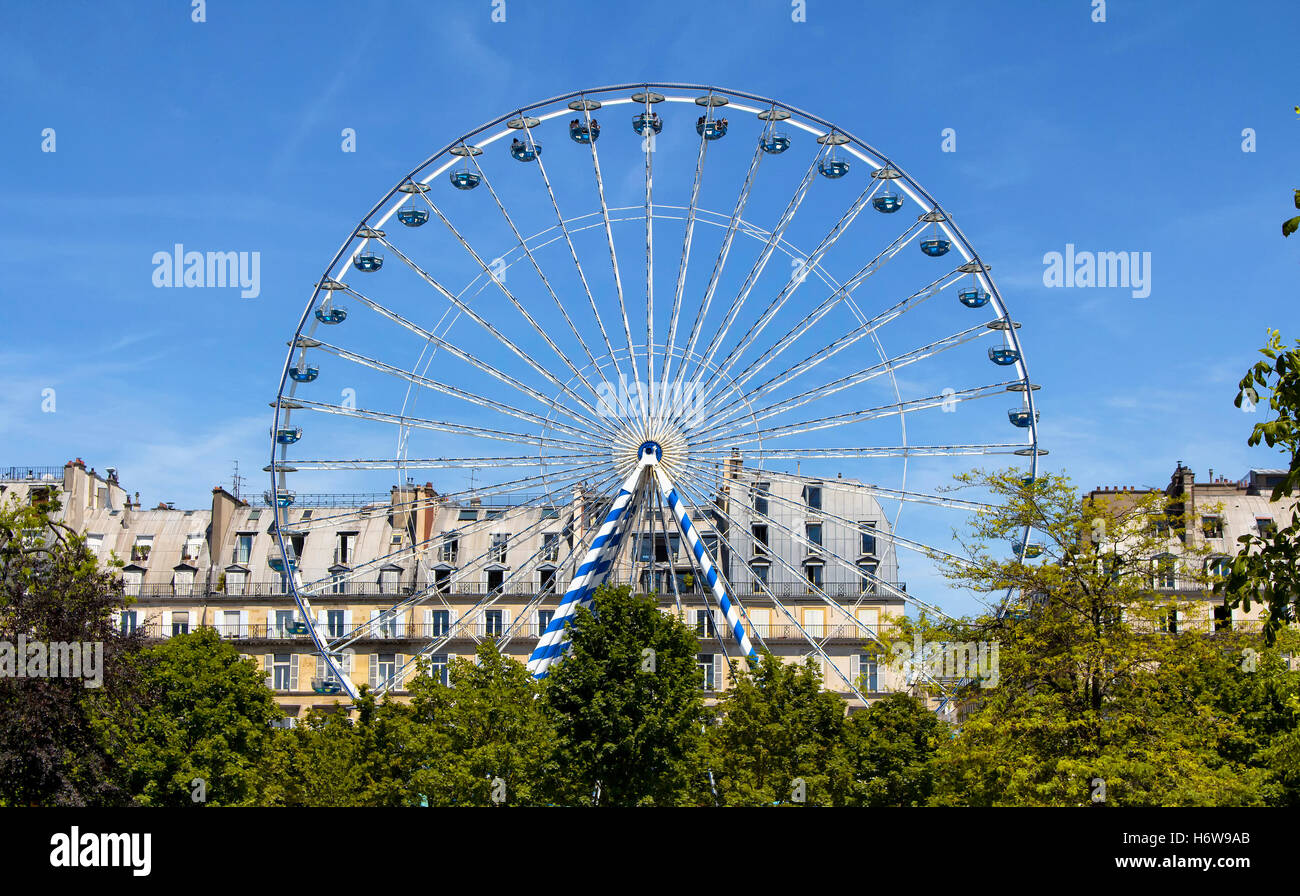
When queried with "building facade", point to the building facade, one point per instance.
{"points": [[416, 574]]}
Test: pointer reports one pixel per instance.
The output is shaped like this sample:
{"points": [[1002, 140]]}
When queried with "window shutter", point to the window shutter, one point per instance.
{"points": [[267, 659], [427, 631], [374, 624], [293, 672], [347, 622], [374, 671], [717, 671], [243, 623], [399, 677], [399, 626], [167, 623]]}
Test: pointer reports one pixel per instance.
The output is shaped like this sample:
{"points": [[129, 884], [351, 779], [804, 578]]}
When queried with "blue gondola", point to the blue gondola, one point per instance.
{"points": [[303, 374], [580, 133], [368, 262], [887, 201], [711, 130], [413, 217], [647, 123], [277, 564], [935, 246], [298, 627], [1021, 417], [335, 314], [284, 499], [1003, 356], [1027, 480], [289, 435], [973, 297], [326, 686], [833, 168], [464, 180], [1029, 551], [774, 144], [522, 152]]}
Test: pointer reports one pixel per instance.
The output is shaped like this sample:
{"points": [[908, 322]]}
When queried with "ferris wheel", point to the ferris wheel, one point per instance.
{"points": [[604, 304]]}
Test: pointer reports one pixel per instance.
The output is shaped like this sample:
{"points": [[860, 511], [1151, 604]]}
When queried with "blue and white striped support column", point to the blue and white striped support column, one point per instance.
{"points": [[590, 573], [730, 609]]}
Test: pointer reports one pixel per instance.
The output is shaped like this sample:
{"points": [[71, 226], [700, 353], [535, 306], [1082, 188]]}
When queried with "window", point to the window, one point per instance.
{"points": [[812, 496], [547, 580], [182, 580], [550, 547], [306, 515], [1169, 621], [132, 579], [243, 548], [387, 667], [1219, 566], [449, 549], [813, 571], [130, 621], [193, 545], [544, 618], [441, 622], [346, 548], [282, 671], [94, 543], [704, 624], [493, 621], [467, 516], [500, 544], [441, 581], [282, 620], [1222, 618], [141, 549], [868, 676], [493, 514], [438, 668], [1160, 526], [1165, 573], [867, 530], [761, 491], [229, 625], [180, 623], [388, 581], [761, 543], [550, 513], [868, 572], [1266, 526], [1212, 526], [761, 573], [814, 533], [386, 624], [335, 623], [339, 581], [254, 515], [708, 671], [235, 581], [496, 580]]}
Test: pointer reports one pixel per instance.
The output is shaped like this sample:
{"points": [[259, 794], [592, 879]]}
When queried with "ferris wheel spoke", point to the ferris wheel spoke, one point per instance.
{"points": [[755, 271], [462, 394], [757, 415], [733, 227], [613, 254], [877, 451], [875, 413], [436, 463], [461, 354], [582, 274], [797, 278], [779, 605], [518, 352], [440, 425], [510, 296], [865, 329]]}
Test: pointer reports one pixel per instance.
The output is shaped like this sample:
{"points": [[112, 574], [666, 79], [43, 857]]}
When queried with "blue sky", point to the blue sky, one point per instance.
{"points": [[225, 135]]}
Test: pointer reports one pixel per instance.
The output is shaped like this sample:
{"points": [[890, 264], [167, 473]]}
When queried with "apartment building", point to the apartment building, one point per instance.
{"points": [[413, 573]]}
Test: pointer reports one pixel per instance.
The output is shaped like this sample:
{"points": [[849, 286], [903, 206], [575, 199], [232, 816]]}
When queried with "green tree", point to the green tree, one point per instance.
{"points": [[891, 747], [1267, 566], [779, 729], [204, 712], [486, 738], [629, 723], [52, 590], [318, 762], [1092, 686]]}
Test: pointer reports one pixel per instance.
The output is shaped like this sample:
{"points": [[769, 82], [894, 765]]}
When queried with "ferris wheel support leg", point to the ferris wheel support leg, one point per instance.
{"points": [[730, 609], [591, 572]]}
